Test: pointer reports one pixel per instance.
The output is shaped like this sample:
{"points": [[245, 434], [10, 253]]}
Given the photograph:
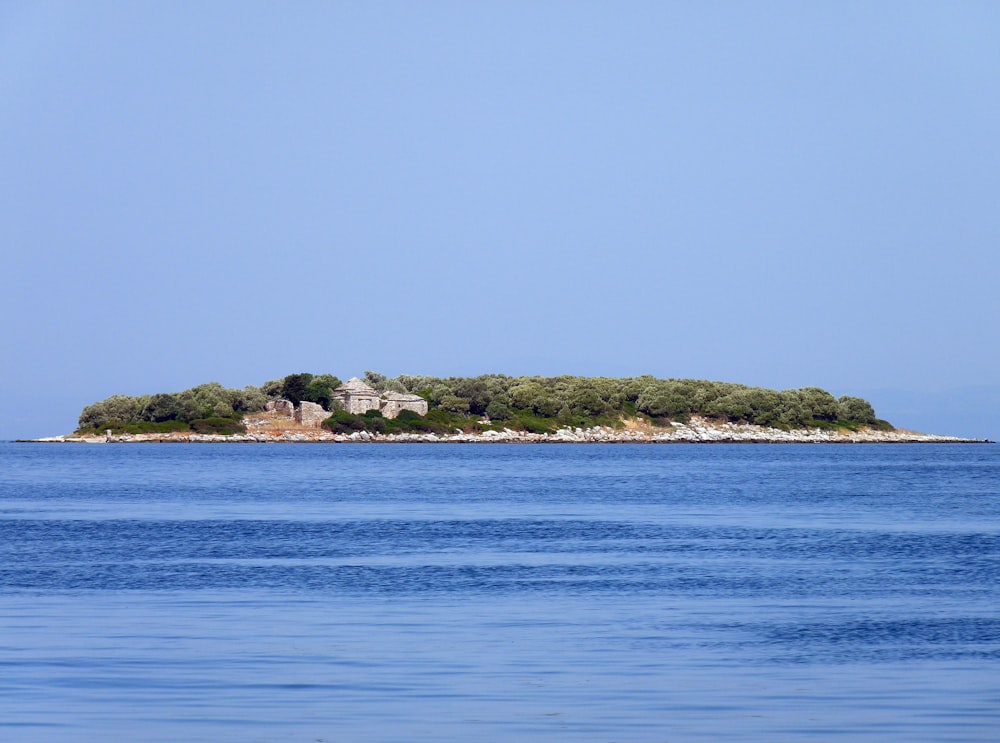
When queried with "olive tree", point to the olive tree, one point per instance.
{"points": [[856, 410]]}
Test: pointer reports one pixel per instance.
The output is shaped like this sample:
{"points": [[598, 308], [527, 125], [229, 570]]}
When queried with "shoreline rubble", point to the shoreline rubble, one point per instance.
{"points": [[696, 431]]}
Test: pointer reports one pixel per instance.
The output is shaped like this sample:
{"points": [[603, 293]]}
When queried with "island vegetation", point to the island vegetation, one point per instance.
{"points": [[532, 404]]}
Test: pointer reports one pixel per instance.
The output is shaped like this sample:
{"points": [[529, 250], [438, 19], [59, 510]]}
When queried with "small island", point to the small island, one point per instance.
{"points": [[489, 408]]}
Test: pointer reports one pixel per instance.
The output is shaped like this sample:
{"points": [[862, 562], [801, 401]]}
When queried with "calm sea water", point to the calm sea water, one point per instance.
{"points": [[500, 592]]}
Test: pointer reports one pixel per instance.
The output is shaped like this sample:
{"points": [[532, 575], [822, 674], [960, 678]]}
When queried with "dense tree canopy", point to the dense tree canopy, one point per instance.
{"points": [[531, 403], [175, 410]]}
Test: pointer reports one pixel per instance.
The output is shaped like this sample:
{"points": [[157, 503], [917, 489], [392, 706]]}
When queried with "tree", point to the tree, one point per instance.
{"points": [[526, 394], [162, 407], [821, 404], [587, 402], [394, 385], [115, 409], [375, 380], [498, 410], [293, 387], [248, 400], [474, 390], [272, 388], [856, 410], [210, 400], [320, 390], [663, 399], [455, 404], [750, 404]]}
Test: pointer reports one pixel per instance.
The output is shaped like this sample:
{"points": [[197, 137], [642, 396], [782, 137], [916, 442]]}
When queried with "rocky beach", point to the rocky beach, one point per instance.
{"points": [[696, 431]]}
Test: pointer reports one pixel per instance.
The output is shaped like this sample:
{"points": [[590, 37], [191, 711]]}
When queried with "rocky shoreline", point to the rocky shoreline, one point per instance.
{"points": [[697, 430]]}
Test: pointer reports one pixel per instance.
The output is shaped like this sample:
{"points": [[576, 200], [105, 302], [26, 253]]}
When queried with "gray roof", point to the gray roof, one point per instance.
{"points": [[401, 397], [355, 385]]}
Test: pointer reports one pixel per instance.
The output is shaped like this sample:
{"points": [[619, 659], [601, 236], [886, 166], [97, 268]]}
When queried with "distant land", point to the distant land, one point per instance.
{"points": [[490, 407]]}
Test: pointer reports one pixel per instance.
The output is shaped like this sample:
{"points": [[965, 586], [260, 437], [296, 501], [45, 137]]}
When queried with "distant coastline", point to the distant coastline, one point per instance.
{"points": [[308, 408]]}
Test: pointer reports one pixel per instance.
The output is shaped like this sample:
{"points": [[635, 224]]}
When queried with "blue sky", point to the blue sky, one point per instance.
{"points": [[779, 194]]}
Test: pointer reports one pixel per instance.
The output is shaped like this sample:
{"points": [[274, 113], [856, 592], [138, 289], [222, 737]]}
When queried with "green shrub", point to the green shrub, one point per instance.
{"points": [[222, 426], [408, 421], [162, 427], [340, 421], [498, 411], [524, 420]]}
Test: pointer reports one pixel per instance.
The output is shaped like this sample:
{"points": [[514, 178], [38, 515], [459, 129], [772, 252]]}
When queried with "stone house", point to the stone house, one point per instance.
{"points": [[355, 397], [394, 403], [358, 398]]}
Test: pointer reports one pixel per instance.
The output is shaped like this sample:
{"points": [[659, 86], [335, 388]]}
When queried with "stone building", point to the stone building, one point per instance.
{"points": [[355, 397], [310, 414], [394, 403], [358, 398]]}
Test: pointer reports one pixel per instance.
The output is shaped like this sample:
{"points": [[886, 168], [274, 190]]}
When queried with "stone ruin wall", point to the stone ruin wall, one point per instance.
{"points": [[395, 405], [310, 414], [356, 404], [281, 407]]}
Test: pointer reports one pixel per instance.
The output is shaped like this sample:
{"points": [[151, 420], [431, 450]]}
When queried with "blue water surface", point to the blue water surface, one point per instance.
{"points": [[167, 592]]}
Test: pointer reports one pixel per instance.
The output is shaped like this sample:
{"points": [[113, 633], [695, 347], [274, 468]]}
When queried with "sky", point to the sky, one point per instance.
{"points": [[780, 194]]}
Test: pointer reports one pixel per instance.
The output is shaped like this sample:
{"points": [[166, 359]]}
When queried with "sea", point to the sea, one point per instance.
{"points": [[499, 592]]}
